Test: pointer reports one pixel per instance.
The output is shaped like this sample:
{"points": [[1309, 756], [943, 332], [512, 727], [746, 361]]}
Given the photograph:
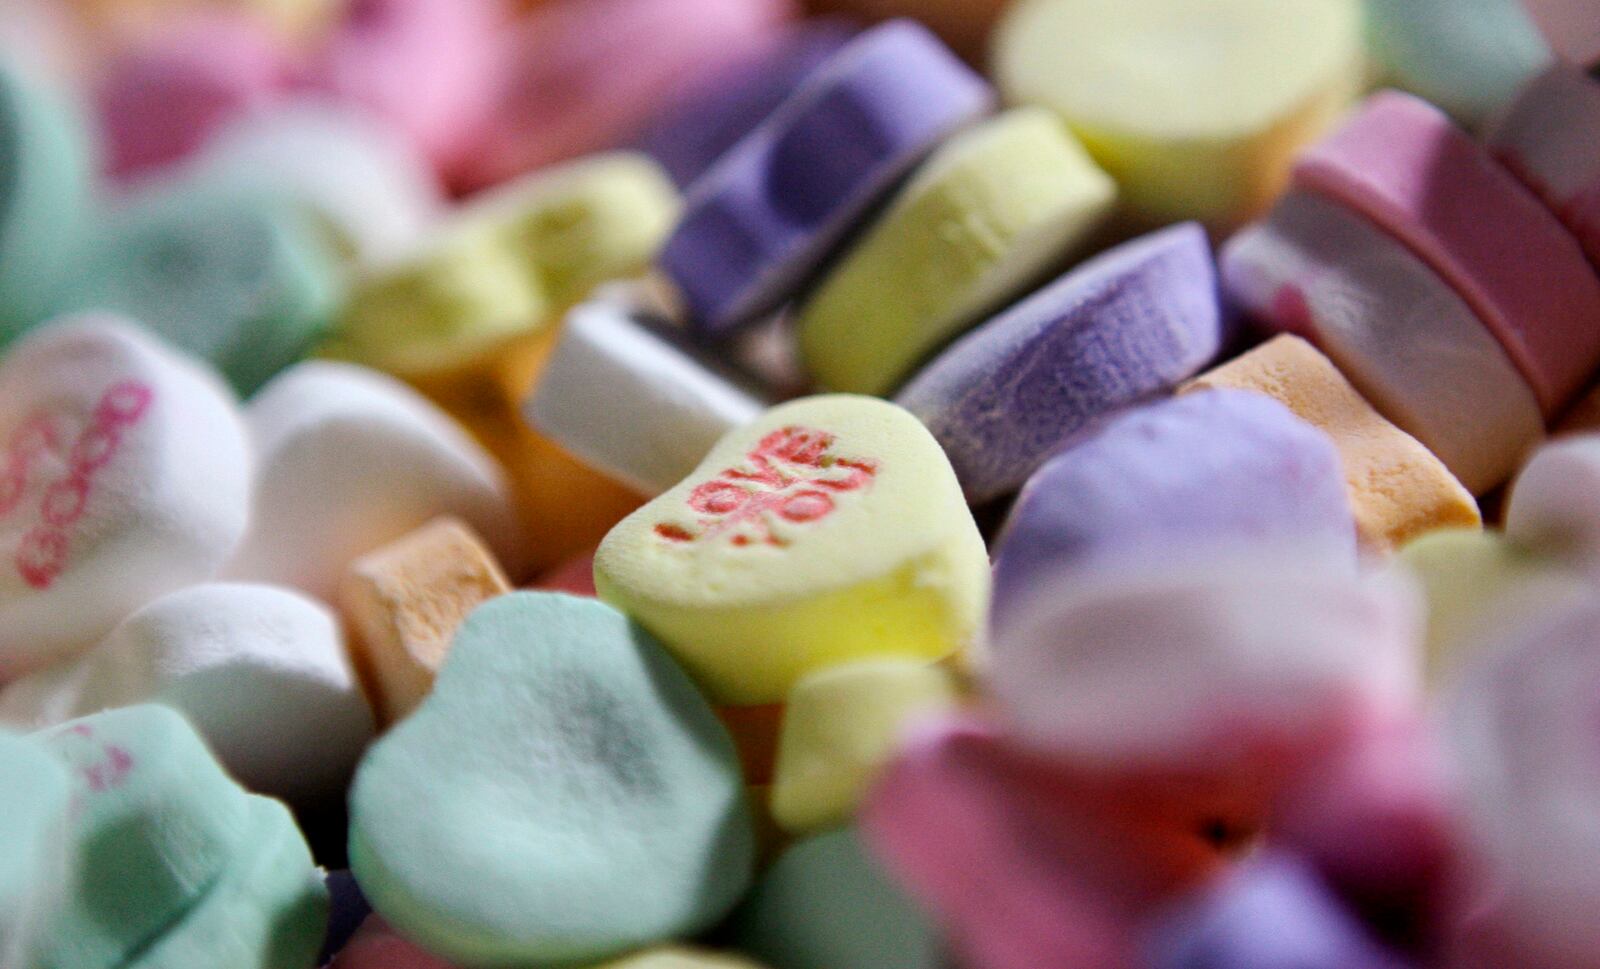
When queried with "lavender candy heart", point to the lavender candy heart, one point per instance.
{"points": [[701, 125], [759, 223], [1273, 912], [1130, 323], [1217, 467]]}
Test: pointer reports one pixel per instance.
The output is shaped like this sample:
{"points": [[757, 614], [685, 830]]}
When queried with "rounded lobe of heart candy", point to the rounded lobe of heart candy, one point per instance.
{"points": [[830, 529], [1553, 509]]}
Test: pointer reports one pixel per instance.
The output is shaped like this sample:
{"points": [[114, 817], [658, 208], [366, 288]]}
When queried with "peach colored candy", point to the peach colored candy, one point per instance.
{"points": [[1398, 489], [404, 603]]}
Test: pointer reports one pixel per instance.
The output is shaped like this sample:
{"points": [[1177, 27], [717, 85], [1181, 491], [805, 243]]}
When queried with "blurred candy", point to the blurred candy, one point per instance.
{"points": [[1555, 502], [349, 460], [405, 601], [1385, 317], [126, 476], [764, 218], [1122, 327], [1571, 27], [377, 946], [963, 24], [755, 729], [1398, 489], [33, 844], [830, 529], [1400, 163], [1218, 470], [1195, 108], [1467, 57], [575, 576], [571, 761]]}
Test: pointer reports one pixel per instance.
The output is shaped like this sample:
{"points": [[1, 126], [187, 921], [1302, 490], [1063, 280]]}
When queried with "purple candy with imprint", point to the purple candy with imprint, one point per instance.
{"points": [[697, 129], [1120, 328], [1272, 912], [759, 223], [1218, 467]]}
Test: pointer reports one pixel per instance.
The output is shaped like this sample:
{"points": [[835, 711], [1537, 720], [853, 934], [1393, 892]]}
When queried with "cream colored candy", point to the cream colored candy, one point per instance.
{"points": [[987, 214], [840, 727], [1398, 489], [830, 529], [1195, 107], [1555, 502], [404, 603], [677, 957]]}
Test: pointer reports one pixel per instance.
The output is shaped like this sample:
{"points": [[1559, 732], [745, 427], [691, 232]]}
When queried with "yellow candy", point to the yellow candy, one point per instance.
{"points": [[676, 957], [1398, 489], [830, 529], [840, 727]]}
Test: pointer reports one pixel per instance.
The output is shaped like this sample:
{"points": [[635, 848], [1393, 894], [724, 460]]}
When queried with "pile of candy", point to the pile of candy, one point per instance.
{"points": [[992, 485]]}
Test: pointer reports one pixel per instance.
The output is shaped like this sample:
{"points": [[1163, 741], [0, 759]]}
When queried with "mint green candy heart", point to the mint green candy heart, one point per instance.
{"points": [[34, 799], [563, 795]]}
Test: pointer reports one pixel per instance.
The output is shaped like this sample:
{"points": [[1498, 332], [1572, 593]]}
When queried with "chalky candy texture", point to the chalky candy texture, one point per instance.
{"points": [[1125, 325], [1195, 107], [991, 210], [690, 134], [1401, 163], [1223, 468], [1273, 911], [237, 276], [267, 910], [590, 800], [349, 460], [629, 402], [830, 529], [158, 824], [1467, 57], [1549, 137], [762, 220], [1402, 335], [45, 175], [126, 475], [1397, 488], [825, 904], [33, 846], [1554, 509]]}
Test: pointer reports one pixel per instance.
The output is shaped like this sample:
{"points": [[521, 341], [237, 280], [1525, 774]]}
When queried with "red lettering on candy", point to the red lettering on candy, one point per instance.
{"points": [[791, 475]]}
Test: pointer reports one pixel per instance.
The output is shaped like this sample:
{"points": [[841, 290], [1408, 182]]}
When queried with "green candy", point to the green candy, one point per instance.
{"points": [[34, 798], [826, 905], [563, 795], [268, 911]]}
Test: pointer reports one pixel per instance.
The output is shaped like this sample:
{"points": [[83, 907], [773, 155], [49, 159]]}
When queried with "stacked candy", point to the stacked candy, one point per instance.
{"points": [[718, 489]]}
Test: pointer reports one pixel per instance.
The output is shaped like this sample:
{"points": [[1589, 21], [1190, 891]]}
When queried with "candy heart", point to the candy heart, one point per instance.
{"points": [[1554, 509], [33, 844], [1467, 57], [126, 476], [830, 529], [590, 799]]}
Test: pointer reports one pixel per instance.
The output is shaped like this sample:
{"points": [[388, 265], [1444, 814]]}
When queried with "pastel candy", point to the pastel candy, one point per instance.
{"points": [[1194, 108], [239, 277], [580, 76], [1400, 163], [1276, 652], [1553, 508], [1549, 137], [1382, 314], [840, 726], [45, 198], [763, 219], [630, 402], [1570, 27], [158, 825], [825, 904], [992, 209], [266, 911], [1397, 488], [579, 776], [1468, 58], [710, 116], [377, 946], [33, 843], [126, 476], [1216, 469], [1222, 927], [350, 460], [575, 576], [830, 529], [404, 602], [1122, 327]]}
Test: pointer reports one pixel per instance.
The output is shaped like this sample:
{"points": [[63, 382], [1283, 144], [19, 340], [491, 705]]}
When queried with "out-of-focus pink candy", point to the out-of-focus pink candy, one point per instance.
{"points": [[574, 576], [376, 946], [1030, 864], [426, 66], [162, 96], [578, 76]]}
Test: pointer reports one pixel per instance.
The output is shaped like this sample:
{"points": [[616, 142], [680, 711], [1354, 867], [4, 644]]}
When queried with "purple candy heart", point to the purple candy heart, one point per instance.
{"points": [[760, 222], [1118, 329]]}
